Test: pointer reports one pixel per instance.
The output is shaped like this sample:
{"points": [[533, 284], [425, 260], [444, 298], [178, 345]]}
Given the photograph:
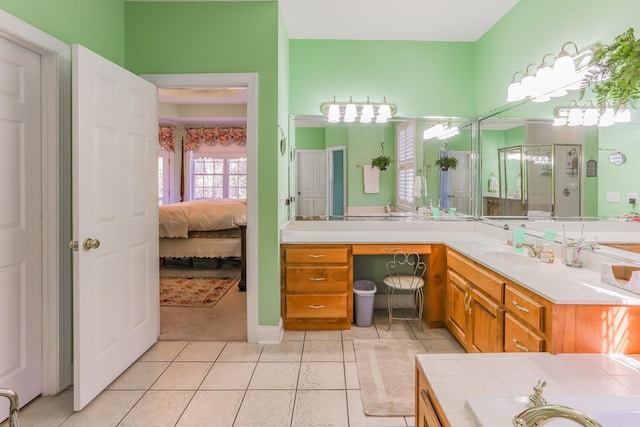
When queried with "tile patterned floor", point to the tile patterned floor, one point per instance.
{"points": [[310, 379]]}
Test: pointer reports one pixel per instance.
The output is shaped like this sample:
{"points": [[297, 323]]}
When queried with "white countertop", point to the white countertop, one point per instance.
{"points": [[556, 282], [457, 379]]}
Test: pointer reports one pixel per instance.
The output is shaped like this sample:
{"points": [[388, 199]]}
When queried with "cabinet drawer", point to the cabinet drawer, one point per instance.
{"points": [[317, 306], [317, 255], [390, 249], [480, 277], [523, 307], [318, 279], [517, 337]]}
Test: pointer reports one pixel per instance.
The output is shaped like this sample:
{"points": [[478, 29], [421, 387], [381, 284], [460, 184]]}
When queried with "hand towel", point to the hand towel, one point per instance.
{"points": [[493, 184], [371, 179], [417, 187]]}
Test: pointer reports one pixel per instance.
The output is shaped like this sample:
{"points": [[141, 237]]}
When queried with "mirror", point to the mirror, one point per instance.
{"points": [[567, 172], [329, 172]]}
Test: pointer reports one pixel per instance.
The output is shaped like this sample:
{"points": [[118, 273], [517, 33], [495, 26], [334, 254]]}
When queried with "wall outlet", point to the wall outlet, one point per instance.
{"points": [[632, 198], [613, 196]]}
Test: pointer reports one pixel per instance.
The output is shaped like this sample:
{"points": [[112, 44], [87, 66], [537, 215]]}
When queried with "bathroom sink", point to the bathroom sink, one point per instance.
{"points": [[512, 258]]}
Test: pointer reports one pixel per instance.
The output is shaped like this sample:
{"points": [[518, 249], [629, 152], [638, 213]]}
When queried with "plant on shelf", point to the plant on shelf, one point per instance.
{"points": [[381, 162], [447, 162], [615, 79]]}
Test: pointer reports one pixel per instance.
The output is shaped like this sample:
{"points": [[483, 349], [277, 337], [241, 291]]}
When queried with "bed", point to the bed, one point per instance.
{"points": [[209, 228]]}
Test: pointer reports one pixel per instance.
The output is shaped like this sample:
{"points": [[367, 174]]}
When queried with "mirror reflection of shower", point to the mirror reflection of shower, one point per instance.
{"points": [[540, 180]]}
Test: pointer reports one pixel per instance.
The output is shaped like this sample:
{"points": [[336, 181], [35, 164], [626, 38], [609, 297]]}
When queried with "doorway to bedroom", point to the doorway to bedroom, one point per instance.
{"points": [[202, 166]]}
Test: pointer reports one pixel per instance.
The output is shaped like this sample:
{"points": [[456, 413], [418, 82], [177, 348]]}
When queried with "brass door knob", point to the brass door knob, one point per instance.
{"points": [[89, 244]]}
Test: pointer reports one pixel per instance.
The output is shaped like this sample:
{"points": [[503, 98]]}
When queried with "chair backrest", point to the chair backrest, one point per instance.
{"points": [[406, 264]]}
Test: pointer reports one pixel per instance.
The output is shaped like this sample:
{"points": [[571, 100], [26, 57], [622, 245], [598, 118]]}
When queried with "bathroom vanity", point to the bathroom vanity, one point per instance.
{"points": [[489, 297]]}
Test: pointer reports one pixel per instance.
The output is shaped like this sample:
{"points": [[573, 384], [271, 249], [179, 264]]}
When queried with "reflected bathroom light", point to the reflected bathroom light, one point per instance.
{"points": [[623, 115], [559, 121], [607, 118], [589, 115]]}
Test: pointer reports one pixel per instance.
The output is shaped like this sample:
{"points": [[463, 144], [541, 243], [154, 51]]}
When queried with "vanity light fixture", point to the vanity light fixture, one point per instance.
{"points": [[549, 80], [589, 115], [352, 111]]}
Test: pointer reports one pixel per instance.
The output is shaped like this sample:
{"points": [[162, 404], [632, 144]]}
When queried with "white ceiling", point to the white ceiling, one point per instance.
{"points": [[426, 20]]}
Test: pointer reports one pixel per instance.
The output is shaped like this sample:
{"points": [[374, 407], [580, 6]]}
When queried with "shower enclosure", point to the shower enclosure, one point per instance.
{"points": [[540, 180]]}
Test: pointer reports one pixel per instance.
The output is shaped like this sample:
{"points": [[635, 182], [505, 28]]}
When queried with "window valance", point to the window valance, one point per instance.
{"points": [[166, 137], [212, 136], [195, 136]]}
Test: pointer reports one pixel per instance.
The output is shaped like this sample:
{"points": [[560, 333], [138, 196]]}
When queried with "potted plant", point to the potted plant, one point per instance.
{"points": [[615, 79], [381, 162], [447, 162]]}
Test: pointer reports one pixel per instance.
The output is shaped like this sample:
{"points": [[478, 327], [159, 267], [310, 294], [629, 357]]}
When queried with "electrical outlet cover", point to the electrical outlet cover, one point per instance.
{"points": [[613, 196], [632, 197]]}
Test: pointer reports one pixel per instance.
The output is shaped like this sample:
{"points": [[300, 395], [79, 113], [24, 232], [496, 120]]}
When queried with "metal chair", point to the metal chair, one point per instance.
{"points": [[405, 273], [13, 406]]}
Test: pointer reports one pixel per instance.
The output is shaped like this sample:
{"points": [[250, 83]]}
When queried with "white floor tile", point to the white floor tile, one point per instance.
{"points": [[212, 408], [240, 352], [182, 376], [286, 351], [229, 376], [320, 408], [266, 408], [158, 409], [106, 410], [321, 376], [139, 376], [163, 351], [275, 375], [201, 351], [322, 351]]}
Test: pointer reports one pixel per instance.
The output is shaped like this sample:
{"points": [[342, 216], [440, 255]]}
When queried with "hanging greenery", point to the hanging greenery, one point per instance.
{"points": [[381, 162], [447, 162], [616, 79]]}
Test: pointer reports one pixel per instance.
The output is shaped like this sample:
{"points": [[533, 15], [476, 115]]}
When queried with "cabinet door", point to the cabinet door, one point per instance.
{"points": [[486, 324], [455, 306]]}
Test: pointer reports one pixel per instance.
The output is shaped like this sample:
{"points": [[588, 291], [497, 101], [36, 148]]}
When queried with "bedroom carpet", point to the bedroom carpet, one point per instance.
{"points": [[386, 371], [193, 292]]}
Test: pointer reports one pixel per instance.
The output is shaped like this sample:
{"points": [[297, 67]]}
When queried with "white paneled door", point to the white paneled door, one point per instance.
{"points": [[20, 223], [115, 221], [312, 182]]}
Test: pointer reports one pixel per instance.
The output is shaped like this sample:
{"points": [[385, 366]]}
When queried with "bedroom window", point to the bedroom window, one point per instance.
{"points": [[219, 178], [164, 176], [405, 155]]}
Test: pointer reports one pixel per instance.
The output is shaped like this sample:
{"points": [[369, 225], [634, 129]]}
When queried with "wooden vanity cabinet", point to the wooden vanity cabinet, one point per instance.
{"points": [[473, 305], [428, 411], [316, 286], [526, 322]]}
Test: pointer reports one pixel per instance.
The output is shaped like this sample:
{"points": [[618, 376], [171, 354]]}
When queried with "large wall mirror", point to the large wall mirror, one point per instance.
{"points": [[529, 167], [331, 175]]}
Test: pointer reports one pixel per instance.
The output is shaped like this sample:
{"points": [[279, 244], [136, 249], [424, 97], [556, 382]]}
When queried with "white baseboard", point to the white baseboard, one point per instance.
{"points": [[270, 334]]}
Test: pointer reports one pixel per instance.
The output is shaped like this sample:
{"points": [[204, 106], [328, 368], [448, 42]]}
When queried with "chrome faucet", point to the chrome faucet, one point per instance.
{"points": [[538, 412], [534, 251], [13, 406], [539, 415]]}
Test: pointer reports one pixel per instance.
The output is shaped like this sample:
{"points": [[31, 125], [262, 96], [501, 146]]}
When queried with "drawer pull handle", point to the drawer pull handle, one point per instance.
{"points": [[317, 279], [392, 249], [519, 346], [316, 307], [519, 307], [316, 256]]}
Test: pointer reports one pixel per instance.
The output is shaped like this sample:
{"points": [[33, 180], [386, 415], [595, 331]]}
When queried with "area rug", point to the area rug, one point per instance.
{"points": [[386, 370], [194, 292]]}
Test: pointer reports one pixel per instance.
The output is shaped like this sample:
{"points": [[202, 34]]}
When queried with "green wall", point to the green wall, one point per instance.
{"points": [[533, 28], [96, 24], [311, 139], [421, 78], [225, 37]]}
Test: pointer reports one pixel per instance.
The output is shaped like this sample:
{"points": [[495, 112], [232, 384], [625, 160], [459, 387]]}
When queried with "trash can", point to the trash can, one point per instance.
{"points": [[364, 294]]}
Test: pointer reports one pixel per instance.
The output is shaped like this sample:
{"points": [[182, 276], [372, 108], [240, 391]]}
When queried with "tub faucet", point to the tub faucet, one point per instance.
{"points": [[534, 251], [13, 406], [539, 415]]}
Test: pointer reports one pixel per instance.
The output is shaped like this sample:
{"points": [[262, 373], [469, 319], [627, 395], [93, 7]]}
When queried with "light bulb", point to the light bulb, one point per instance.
{"points": [[623, 115], [350, 112], [514, 91], [527, 85], [384, 110], [559, 121], [591, 117], [334, 113], [367, 113], [607, 118], [564, 69]]}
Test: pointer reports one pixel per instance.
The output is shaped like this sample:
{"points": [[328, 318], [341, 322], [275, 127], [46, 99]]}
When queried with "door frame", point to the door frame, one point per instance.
{"points": [[57, 369], [250, 81], [331, 178]]}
